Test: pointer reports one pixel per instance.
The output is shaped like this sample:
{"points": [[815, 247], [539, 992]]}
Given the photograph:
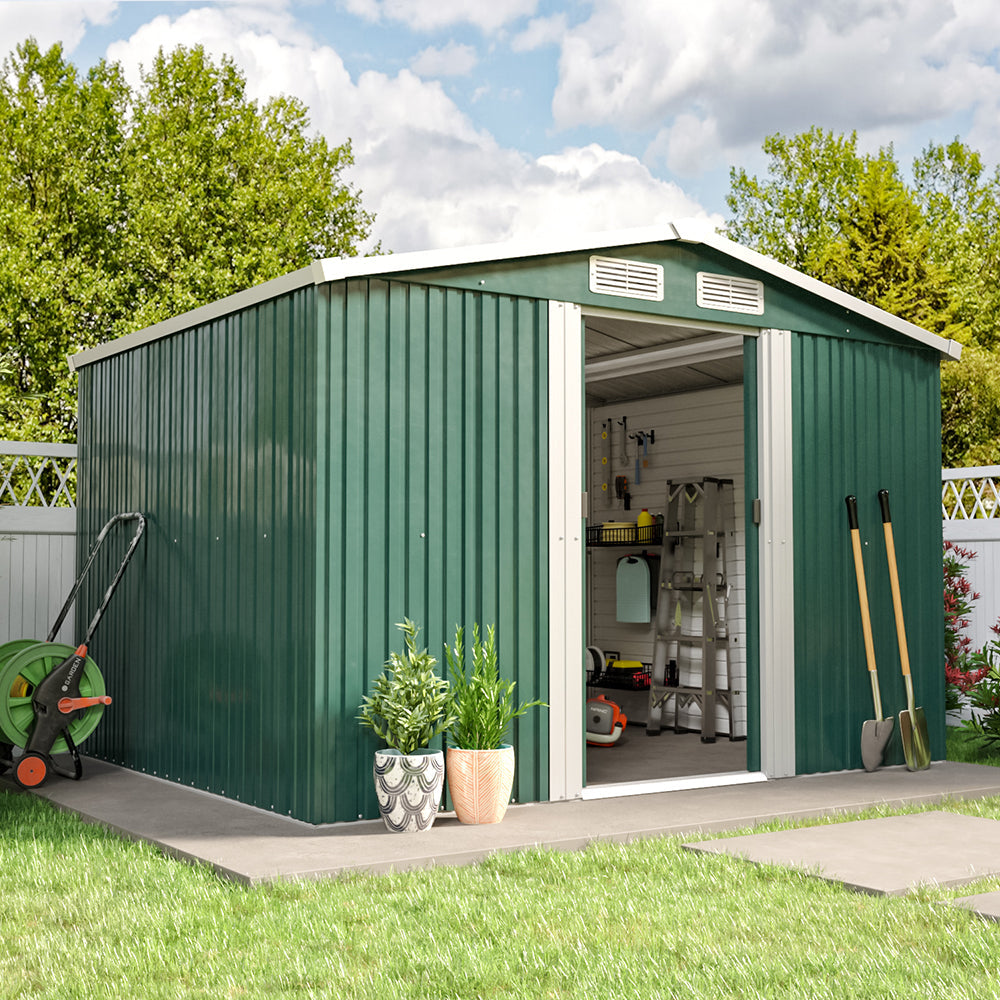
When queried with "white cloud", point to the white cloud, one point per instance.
{"points": [[686, 145], [450, 60], [432, 178], [541, 31], [715, 77], [430, 15], [64, 21]]}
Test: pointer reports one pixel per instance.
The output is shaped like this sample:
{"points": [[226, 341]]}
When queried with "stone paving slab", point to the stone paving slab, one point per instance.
{"points": [[984, 904], [887, 856], [252, 845]]}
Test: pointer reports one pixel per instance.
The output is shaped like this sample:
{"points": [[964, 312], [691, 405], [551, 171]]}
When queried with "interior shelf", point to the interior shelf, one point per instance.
{"points": [[602, 536]]}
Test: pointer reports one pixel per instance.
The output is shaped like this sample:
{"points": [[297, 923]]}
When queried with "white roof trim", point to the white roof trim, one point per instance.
{"points": [[694, 234], [343, 268], [197, 317], [339, 268]]}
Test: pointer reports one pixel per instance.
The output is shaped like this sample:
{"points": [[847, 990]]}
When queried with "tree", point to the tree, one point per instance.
{"points": [[961, 208], [881, 252], [224, 193], [61, 207], [927, 253], [122, 207], [970, 409], [794, 215]]}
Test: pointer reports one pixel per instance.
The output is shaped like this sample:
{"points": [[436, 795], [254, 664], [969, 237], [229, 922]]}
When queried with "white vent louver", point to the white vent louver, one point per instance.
{"points": [[722, 291], [632, 279]]}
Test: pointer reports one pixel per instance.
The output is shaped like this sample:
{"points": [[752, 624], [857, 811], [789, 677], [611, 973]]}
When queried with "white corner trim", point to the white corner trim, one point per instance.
{"points": [[565, 543], [777, 564]]}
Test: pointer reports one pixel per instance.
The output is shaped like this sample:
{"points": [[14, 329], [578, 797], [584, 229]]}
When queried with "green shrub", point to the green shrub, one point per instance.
{"points": [[409, 704], [482, 702]]}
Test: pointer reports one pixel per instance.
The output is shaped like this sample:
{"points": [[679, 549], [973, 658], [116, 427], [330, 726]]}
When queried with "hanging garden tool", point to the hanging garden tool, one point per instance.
{"points": [[912, 723], [606, 429], [875, 732], [52, 696]]}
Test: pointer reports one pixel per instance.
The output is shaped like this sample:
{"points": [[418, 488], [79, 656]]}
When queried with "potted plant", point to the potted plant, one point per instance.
{"points": [[480, 763], [409, 706]]}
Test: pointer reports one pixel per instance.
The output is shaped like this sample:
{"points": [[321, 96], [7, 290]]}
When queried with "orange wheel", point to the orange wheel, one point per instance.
{"points": [[30, 771]]}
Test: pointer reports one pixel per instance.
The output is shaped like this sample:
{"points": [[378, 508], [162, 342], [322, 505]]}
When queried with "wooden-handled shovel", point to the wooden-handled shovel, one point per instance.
{"points": [[912, 723], [875, 732]]}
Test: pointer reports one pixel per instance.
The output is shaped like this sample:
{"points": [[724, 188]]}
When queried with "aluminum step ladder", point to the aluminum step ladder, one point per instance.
{"points": [[689, 637]]}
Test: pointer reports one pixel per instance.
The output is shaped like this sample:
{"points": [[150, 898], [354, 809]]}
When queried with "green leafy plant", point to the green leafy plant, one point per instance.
{"points": [[409, 704], [482, 702], [984, 695]]}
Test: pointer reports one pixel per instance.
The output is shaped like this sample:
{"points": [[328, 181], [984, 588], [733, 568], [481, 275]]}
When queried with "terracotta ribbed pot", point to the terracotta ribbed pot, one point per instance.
{"points": [[409, 788], [479, 782]]}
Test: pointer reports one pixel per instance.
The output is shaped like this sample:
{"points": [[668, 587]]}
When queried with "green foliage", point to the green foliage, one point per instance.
{"points": [[795, 214], [961, 209], [121, 207], [970, 409], [984, 701], [409, 705], [880, 253], [482, 702], [928, 252]]}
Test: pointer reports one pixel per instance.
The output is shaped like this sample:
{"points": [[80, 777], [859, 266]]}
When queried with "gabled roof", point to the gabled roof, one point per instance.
{"points": [[341, 268]]}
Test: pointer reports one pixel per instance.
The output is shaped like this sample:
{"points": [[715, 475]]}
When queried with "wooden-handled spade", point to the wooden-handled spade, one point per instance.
{"points": [[912, 723], [875, 732]]}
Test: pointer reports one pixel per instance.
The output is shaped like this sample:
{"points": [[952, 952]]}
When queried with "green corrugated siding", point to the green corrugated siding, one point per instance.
{"points": [[866, 417], [207, 649], [312, 477], [566, 277], [433, 504]]}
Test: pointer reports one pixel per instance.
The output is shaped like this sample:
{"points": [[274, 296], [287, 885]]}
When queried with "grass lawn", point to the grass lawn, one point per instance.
{"points": [[962, 745], [86, 914]]}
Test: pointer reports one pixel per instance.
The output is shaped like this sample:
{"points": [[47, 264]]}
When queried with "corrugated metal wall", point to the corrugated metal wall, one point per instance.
{"points": [[866, 418], [208, 647], [305, 495], [432, 498]]}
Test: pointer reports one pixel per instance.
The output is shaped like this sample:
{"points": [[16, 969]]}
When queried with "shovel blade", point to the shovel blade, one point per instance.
{"points": [[916, 745], [874, 736]]}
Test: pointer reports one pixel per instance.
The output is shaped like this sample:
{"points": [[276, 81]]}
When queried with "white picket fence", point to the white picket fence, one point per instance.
{"points": [[37, 538], [970, 510]]}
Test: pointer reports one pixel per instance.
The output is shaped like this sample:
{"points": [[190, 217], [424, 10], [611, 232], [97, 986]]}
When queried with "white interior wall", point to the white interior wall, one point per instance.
{"points": [[698, 435]]}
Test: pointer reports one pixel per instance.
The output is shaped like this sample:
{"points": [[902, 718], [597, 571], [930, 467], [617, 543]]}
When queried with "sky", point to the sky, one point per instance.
{"points": [[482, 121]]}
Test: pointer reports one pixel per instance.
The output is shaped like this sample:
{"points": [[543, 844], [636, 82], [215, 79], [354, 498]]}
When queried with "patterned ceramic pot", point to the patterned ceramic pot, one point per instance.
{"points": [[409, 788], [479, 782]]}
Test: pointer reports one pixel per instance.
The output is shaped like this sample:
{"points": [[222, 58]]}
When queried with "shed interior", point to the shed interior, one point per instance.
{"points": [[664, 405]]}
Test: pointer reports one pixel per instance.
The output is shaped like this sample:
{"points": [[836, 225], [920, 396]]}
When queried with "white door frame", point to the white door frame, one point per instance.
{"points": [[567, 510], [776, 587], [567, 525]]}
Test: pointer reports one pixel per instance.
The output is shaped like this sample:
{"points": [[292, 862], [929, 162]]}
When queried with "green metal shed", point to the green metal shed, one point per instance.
{"points": [[420, 435]]}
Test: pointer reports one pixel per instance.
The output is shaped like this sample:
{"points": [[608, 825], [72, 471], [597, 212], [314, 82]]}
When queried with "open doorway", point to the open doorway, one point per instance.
{"points": [[665, 420]]}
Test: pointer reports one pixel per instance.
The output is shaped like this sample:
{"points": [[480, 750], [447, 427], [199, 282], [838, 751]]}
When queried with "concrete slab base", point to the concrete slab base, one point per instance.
{"points": [[253, 845], [888, 856], [984, 904]]}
